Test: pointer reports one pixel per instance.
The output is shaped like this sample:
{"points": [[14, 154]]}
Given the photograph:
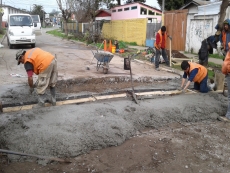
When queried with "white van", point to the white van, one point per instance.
{"points": [[38, 28], [20, 30]]}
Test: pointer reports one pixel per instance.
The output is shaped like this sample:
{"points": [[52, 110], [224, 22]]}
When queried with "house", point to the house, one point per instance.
{"points": [[9, 10], [103, 15], [136, 10], [192, 6], [201, 22]]}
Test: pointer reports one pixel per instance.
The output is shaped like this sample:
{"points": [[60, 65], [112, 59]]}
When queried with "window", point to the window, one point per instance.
{"points": [[126, 9], [113, 11], [158, 14], [143, 11], [151, 12], [134, 8], [119, 10]]}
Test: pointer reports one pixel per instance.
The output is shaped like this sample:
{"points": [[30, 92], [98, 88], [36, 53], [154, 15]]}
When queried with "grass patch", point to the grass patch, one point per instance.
{"points": [[213, 65], [211, 74], [217, 56], [57, 33], [2, 32]]}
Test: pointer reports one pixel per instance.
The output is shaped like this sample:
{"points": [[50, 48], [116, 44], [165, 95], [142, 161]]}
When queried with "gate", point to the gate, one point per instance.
{"points": [[176, 24]]}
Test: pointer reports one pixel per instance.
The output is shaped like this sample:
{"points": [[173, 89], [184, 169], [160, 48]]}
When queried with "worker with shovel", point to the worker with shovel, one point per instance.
{"points": [[160, 45], [196, 73], [44, 65]]}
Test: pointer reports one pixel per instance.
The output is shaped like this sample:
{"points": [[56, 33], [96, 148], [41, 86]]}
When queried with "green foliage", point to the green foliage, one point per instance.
{"points": [[57, 33], [38, 10], [173, 4], [217, 56]]}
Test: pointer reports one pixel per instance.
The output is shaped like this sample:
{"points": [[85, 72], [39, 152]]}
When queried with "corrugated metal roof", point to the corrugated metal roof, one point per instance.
{"points": [[210, 9], [195, 2]]}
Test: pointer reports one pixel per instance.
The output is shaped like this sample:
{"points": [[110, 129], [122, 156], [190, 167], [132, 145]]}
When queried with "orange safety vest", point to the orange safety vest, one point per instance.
{"points": [[226, 63], [202, 72], [165, 37], [224, 39], [39, 58]]}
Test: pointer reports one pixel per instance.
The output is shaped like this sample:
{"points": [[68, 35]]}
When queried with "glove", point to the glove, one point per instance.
{"points": [[31, 90]]}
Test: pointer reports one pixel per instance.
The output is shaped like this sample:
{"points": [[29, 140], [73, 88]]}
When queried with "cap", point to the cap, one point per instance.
{"points": [[19, 54]]}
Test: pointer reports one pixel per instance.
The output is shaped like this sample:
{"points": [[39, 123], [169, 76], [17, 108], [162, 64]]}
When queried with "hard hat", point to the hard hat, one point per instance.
{"points": [[19, 54]]}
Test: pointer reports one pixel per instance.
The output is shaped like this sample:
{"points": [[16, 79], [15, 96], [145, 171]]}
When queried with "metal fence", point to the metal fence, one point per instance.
{"points": [[152, 29]]}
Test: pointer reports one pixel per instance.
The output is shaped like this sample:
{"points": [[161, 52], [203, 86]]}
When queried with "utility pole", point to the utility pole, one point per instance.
{"points": [[163, 10], [1, 13]]}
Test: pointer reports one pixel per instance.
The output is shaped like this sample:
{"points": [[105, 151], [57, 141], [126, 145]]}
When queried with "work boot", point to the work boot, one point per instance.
{"points": [[41, 100], [53, 96]]}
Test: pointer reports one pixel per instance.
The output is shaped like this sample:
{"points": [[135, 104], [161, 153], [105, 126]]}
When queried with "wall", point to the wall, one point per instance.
{"points": [[134, 13], [103, 18], [133, 30], [199, 30], [192, 8]]}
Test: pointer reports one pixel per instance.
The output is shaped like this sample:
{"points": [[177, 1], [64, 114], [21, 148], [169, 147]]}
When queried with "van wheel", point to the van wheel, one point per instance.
{"points": [[10, 46], [33, 45], [8, 43]]}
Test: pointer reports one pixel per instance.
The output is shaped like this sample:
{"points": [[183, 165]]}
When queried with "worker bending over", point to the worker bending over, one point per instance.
{"points": [[195, 73], [44, 65]]}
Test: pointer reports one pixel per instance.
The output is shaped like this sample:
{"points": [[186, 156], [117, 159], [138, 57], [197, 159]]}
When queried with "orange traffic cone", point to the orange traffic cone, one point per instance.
{"points": [[110, 46], [105, 46]]}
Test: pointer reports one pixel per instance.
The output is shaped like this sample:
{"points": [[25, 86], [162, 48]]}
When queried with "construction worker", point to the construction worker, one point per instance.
{"points": [[196, 73], [225, 36], [44, 65], [226, 71], [160, 45]]}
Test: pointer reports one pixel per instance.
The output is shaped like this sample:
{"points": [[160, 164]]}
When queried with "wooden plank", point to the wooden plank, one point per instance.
{"points": [[110, 96], [159, 93], [65, 102]]}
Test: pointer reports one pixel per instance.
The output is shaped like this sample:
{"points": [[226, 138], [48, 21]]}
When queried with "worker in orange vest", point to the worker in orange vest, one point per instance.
{"points": [[160, 45], [44, 65], [225, 36], [226, 71], [195, 73]]}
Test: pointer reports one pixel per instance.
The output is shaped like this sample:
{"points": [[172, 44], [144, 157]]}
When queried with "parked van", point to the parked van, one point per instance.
{"points": [[20, 30], [38, 28]]}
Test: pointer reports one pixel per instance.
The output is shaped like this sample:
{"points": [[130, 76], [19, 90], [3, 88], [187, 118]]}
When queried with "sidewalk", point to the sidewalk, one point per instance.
{"points": [[214, 60]]}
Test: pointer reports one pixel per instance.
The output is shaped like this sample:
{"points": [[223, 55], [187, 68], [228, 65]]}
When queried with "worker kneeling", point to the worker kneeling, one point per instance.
{"points": [[44, 65], [195, 73]]}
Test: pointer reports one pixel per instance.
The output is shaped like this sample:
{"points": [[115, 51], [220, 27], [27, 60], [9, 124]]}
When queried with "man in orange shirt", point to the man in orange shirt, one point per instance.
{"points": [[44, 65], [160, 45]]}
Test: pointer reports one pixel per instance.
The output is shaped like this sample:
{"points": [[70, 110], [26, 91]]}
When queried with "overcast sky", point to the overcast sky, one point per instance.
{"points": [[49, 5]]}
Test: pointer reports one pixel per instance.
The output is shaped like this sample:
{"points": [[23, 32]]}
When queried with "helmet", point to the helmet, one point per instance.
{"points": [[19, 54]]}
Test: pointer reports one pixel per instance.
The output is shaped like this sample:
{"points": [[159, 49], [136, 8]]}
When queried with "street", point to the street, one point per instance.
{"points": [[167, 133]]}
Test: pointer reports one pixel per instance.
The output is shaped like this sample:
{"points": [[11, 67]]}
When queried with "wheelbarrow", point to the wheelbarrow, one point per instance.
{"points": [[103, 60]]}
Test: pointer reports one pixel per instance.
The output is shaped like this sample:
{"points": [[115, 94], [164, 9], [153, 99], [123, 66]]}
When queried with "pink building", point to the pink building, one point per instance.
{"points": [[136, 10]]}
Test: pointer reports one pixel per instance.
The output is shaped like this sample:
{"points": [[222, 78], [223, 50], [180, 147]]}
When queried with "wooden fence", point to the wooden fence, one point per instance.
{"points": [[176, 25]]}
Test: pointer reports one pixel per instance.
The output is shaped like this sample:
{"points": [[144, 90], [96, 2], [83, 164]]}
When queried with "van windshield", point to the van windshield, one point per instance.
{"points": [[20, 20], [35, 18]]}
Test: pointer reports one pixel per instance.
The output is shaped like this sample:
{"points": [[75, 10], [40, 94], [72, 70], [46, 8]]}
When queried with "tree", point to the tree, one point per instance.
{"points": [[173, 4], [65, 6], [223, 9], [38, 10]]}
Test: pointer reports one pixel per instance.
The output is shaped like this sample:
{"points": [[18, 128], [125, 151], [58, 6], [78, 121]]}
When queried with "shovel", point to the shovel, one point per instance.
{"points": [[133, 93]]}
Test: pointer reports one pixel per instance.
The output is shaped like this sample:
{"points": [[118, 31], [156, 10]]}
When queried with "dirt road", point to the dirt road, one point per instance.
{"points": [[167, 134]]}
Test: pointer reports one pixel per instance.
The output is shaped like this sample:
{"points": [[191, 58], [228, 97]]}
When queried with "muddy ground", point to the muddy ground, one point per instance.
{"points": [[171, 134]]}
